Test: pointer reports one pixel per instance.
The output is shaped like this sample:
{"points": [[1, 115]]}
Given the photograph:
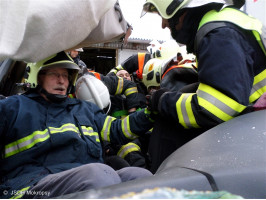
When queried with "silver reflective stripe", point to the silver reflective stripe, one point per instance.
{"points": [[216, 102], [130, 91], [126, 129], [184, 110], [32, 141], [258, 86], [127, 149], [90, 132], [67, 127]]}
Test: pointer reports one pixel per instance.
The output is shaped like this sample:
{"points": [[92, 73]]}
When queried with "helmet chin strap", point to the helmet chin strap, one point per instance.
{"points": [[55, 98]]}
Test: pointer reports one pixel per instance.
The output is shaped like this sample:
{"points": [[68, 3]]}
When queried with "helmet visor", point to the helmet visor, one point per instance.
{"points": [[149, 7]]}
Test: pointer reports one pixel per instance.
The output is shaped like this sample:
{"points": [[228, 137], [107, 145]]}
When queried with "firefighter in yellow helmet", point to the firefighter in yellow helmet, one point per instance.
{"points": [[47, 136], [231, 62], [59, 60]]}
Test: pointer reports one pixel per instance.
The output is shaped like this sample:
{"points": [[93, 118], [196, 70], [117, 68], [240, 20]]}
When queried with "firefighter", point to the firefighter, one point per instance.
{"points": [[50, 144], [75, 55], [169, 75], [135, 63], [230, 62]]}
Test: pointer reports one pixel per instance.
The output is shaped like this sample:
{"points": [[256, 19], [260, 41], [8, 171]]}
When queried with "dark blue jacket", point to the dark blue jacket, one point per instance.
{"points": [[39, 138]]}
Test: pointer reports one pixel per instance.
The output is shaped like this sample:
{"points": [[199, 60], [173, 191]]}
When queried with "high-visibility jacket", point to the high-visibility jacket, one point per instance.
{"points": [[231, 69], [38, 138]]}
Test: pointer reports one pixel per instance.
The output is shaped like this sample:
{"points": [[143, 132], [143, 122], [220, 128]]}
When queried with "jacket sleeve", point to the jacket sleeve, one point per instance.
{"points": [[131, 64], [123, 131], [117, 86], [225, 70]]}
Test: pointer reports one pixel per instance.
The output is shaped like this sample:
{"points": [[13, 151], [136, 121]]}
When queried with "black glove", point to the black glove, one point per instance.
{"points": [[153, 99]]}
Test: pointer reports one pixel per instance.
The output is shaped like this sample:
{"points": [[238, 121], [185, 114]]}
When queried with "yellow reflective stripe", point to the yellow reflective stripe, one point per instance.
{"points": [[105, 132], [90, 132], [217, 103], [184, 111], [64, 128], [20, 193], [131, 91], [259, 86], [148, 114], [126, 128], [26, 142], [239, 18], [128, 148], [120, 86]]}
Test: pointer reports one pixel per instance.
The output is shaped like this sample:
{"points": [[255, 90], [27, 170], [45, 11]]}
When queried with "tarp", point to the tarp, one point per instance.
{"points": [[31, 30]]}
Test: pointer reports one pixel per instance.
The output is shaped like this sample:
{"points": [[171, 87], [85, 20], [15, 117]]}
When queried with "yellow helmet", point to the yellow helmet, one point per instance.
{"points": [[168, 8], [61, 60], [153, 71]]}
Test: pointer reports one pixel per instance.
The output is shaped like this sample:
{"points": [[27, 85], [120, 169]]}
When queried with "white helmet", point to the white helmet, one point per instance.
{"points": [[154, 45], [168, 8], [79, 50], [93, 90], [167, 50]]}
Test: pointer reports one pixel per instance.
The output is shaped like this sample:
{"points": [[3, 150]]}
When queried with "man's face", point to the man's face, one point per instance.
{"points": [[123, 74], [55, 81], [74, 53], [175, 31]]}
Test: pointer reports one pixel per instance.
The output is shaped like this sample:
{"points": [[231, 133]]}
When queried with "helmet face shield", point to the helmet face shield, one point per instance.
{"points": [[149, 8]]}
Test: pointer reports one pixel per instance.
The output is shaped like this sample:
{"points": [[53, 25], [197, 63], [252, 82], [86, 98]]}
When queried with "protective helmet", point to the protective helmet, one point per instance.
{"points": [[59, 60], [152, 72], [167, 50], [168, 8], [91, 89], [154, 45], [79, 50]]}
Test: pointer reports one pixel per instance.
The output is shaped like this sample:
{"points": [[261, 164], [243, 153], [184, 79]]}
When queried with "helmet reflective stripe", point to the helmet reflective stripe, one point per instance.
{"points": [[184, 111], [105, 132], [168, 8], [217, 103], [128, 148], [259, 86], [126, 129]]}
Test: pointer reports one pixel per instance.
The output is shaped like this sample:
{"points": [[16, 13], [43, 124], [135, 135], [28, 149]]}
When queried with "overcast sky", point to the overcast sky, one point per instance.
{"points": [[147, 27]]}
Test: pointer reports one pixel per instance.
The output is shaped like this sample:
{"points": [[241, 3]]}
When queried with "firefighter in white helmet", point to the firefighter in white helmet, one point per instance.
{"points": [[231, 62]]}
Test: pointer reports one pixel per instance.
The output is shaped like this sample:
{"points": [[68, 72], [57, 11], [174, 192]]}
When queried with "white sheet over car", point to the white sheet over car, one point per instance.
{"points": [[31, 30]]}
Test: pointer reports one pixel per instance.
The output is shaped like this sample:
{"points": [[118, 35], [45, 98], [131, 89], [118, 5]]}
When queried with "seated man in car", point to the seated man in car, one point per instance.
{"points": [[50, 144]]}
